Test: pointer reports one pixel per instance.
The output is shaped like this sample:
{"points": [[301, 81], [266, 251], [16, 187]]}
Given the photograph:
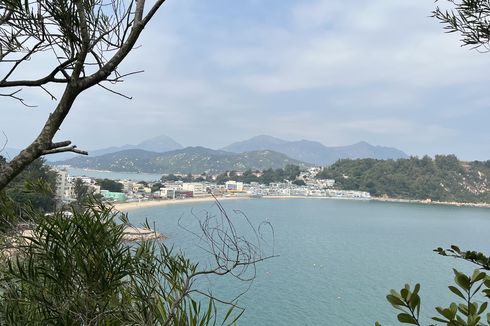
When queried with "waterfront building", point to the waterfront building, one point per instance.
{"points": [[233, 186], [196, 188], [167, 193], [113, 196]]}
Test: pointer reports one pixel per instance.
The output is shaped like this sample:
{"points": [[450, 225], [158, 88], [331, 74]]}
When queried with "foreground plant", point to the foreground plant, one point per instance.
{"points": [[472, 291], [79, 271]]}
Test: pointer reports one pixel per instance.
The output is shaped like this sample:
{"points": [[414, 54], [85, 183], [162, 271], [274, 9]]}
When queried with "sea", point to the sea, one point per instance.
{"points": [[332, 261], [148, 177]]}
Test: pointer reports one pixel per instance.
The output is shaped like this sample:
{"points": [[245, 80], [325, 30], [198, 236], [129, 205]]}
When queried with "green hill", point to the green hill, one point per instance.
{"points": [[187, 160], [444, 178]]}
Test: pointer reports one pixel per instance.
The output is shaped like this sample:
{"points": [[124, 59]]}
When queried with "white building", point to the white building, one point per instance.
{"points": [[64, 186], [234, 186], [195, 187], [167, 193]]}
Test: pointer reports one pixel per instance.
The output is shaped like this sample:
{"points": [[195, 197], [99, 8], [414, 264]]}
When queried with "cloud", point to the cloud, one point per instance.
{"points": [[332, 43], [328, 70]]}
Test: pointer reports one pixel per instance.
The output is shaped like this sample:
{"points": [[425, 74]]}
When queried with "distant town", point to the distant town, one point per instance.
{"points": [[181, 187]]}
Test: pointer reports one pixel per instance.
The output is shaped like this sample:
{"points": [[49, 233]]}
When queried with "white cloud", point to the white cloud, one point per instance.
{"points": [[328, 70]]}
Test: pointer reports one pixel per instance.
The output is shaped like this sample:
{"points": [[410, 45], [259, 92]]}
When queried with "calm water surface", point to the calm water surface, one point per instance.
{"points": [[338, 259], [148, 177]]}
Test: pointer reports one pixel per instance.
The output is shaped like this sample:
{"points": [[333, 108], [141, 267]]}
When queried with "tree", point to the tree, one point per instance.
{"points": [[110, 185], [80, 271], [35, 186], [469, 289], [88, 40], [292, 172], [470, 18], [299, 182], [81, 191]]}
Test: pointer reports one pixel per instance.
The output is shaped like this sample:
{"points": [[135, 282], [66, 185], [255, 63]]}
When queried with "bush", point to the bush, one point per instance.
{"points": [[469, 290], [79, 271]]}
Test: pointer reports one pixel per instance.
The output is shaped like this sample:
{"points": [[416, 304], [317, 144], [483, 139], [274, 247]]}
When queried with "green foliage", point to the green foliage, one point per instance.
{"points": [[470, 18], [12, 213], [31, 190], [441, 179], [187, 160], [156, 187], [79, 271], [290, 172], [469, 290], [187, 178], [408, 302], [81, 191], [299, 182], [34, 186], [110, 185]]}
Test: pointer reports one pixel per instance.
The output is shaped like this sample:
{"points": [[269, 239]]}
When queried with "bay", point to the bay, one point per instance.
{"points": [[148, 177], [337, 259]]}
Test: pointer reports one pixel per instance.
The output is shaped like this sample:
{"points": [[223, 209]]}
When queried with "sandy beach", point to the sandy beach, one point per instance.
{"points": [[151, 203]]}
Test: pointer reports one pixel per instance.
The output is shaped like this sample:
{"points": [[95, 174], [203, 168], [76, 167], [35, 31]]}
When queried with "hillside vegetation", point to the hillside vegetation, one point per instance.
{"points": [[443, 178], [187, 160]]}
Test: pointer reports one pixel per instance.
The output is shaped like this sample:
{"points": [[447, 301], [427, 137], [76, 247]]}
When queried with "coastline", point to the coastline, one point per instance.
{"points": [[430, 202], [127, 206], [164, 202]]}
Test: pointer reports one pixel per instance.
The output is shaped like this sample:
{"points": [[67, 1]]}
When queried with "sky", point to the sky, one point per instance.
{"points": [[333, 71]]}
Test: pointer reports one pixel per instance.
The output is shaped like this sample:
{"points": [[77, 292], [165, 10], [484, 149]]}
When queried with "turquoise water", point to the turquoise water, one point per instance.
{"points": [[338, 259]]}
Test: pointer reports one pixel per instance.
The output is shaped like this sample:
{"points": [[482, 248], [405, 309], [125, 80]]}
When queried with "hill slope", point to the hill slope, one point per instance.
{"points": [[441, 179], [187, 160]]}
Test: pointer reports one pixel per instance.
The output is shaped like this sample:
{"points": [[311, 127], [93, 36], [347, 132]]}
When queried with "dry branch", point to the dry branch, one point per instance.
{"points": [[88, 40]]}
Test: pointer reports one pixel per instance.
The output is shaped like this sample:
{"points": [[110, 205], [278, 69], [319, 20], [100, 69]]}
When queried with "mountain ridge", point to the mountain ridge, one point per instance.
{"points": [[188, 160], [314, 152]]}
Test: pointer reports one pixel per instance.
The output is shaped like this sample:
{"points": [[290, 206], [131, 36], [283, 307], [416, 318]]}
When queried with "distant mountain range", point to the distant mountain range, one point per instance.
{"points": [[187, 160], [314, 152], [162, 154], [159, 144]]}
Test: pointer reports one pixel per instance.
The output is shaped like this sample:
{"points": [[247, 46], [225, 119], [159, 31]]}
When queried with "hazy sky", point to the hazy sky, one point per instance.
{"points": [[335, 71]]}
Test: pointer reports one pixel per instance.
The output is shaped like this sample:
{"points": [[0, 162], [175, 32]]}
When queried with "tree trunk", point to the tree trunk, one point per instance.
{"points": [[43, 141]]}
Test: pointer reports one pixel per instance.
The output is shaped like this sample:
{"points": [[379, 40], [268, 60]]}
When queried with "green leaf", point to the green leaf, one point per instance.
{"points": [[440, 320], [462, 280], [448, 313], [477, 276], [456, 291], [394, 300], [416, 289], [405, 293], [414, 301], [483, 307], [406, 319]]}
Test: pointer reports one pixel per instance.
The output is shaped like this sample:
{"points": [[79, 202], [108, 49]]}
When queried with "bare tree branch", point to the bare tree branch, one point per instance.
{"points": [[51, 78], [89, 40], [72, 149], [15, 97], [115, 92], [5, 142]]}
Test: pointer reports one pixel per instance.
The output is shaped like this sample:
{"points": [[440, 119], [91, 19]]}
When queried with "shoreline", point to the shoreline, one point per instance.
{"points": [[152, 203], [431, 202], [127, 206]]}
